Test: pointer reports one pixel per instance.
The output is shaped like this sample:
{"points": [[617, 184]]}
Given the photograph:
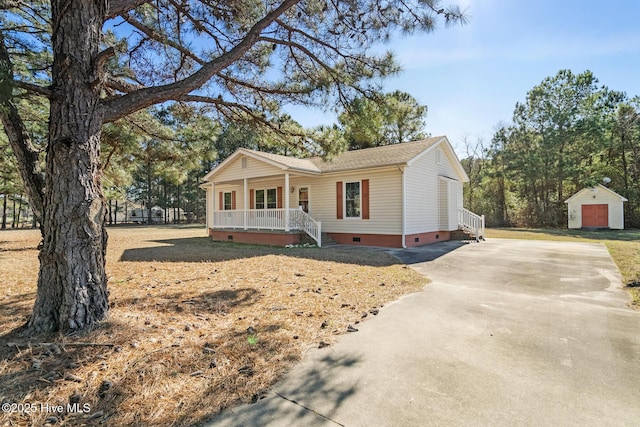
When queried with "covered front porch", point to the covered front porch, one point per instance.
{"points": [[287, 220], [261, 208]]}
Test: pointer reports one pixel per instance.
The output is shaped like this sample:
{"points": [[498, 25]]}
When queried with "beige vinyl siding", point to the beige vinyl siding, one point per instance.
{"points": [[426, 211], [385, 202], [226, 188], [255, 168], [422, 187], [598, 197]]}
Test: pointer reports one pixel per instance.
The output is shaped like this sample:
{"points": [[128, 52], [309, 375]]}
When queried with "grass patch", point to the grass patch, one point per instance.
{"points": [[623, 246], [191, 321]]}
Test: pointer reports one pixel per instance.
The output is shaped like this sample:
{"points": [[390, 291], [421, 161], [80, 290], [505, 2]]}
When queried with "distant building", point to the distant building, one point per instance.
{"points": [[596, 207]]}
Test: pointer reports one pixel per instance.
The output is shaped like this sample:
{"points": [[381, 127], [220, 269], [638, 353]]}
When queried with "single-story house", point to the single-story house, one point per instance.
{"points": [[399, 195], [596, 207]]}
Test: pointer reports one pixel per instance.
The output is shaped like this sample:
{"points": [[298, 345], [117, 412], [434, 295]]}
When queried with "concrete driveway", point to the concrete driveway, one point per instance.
{"points": [[508, 333]]}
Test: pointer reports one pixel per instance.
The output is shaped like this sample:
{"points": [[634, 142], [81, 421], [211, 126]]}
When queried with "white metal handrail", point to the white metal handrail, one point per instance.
{"points": [[471, 222]]}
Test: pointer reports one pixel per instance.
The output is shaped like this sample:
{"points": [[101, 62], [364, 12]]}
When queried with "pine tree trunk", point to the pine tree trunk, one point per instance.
{"points": [[18, 214], [4, 212], [72, 284]]}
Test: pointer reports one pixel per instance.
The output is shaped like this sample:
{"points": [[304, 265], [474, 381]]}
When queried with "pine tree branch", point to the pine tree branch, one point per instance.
{"points": [[119, 7], [222, 106], [161, 38], [115, 108], [30, 87], [27, 155], [263, 89]]}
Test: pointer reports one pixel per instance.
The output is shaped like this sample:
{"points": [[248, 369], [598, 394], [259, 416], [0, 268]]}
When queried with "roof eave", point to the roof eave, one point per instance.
{"points": [[457, 164], [255, 155]]}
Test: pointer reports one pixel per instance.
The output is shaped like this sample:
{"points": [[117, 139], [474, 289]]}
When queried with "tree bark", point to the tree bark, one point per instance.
{"points": [[13, 207], [4, 212], [72, 284], [19, 211]]}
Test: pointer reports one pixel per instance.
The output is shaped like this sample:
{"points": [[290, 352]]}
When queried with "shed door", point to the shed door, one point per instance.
{"points": [[595, 215]]}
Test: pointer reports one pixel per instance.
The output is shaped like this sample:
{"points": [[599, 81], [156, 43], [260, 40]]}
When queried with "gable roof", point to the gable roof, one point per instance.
{"points": [[599, 186], [386, 155]]}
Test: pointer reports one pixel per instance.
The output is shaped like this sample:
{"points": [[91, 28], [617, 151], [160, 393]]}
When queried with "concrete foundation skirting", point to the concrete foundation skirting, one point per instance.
{"points": [[256, 237]]}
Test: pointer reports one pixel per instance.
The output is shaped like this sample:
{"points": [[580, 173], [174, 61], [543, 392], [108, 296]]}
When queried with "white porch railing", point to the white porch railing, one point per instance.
{"points": [[471, 222], [269, 219], [266, 219], [228, 219]]}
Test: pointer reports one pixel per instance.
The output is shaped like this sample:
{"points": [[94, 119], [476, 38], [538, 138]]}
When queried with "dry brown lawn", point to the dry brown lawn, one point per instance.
{"points": [[194, 326]]}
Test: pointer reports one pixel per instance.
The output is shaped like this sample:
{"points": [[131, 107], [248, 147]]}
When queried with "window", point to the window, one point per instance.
{"points": [[352, 199], [439, 156], [271, 198], [266, 199], [259, 199], [227, 201]]}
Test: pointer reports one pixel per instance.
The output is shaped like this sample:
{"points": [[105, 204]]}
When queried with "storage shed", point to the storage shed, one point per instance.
{"points": [[596, 207]]}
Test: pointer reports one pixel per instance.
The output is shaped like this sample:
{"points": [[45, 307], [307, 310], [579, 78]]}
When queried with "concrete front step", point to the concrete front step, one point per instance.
{"points": [[327, 240], [462, 235]]}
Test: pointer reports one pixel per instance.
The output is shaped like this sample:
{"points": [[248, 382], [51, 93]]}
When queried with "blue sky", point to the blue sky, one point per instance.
{"points": [[471, 77]]}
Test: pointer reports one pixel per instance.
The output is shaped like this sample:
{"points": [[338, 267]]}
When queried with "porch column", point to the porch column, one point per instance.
{"points": [[286, 201], [246, 203], [213, 205]]}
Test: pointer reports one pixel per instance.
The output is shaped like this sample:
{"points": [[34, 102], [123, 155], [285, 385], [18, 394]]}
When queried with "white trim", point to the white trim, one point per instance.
{"points": [[265, 189], [308, 187], [599, 186], [213, 204], [456, 164], [431, 147], [286, 200], [254, 155], [240, 152], [245, 198], [403, 218]]}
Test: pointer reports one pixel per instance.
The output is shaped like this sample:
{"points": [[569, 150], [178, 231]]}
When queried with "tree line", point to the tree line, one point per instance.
{"points": [[157, 157], [569, 133]]}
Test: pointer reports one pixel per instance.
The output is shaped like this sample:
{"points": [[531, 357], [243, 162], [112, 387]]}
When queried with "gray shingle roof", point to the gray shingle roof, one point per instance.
{"points": [[387, 155]]}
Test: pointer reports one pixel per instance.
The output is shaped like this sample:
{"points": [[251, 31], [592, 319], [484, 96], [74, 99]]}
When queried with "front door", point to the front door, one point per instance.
{"points": [[595, 215], [303, 198]]}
